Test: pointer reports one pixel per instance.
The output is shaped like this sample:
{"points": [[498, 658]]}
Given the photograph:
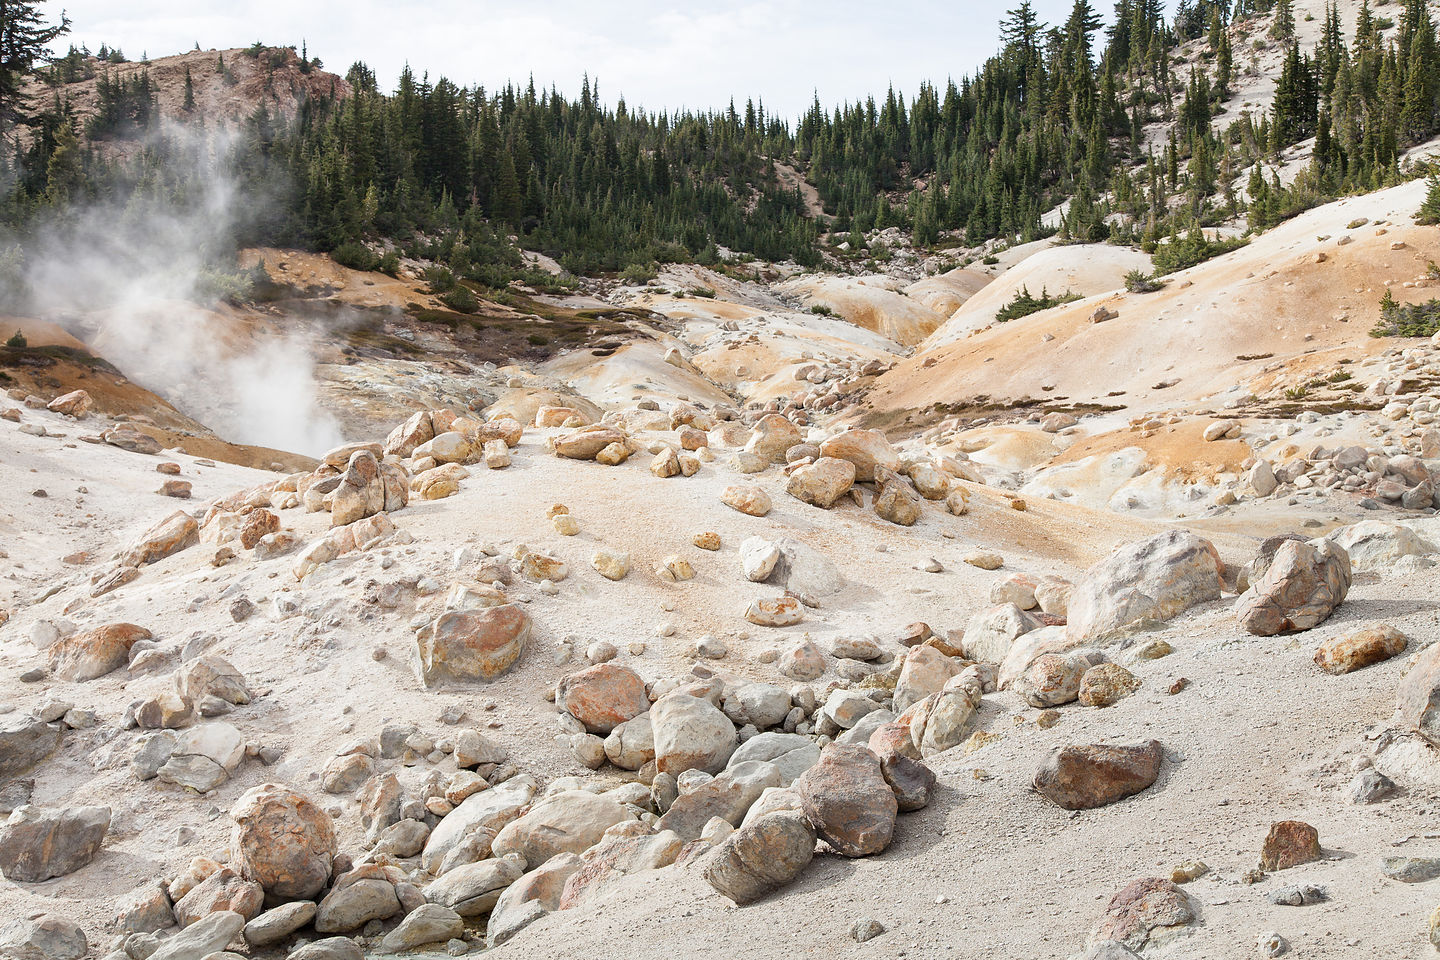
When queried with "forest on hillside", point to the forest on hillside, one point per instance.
{"points": [[1059, 113]]}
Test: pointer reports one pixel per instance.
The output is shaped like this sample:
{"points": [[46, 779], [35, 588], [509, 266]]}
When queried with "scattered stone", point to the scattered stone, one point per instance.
{"points": [[846, 798], [749, 500], [37, 844], [282, 841], [463, 645], [1352, 651], [1087, 776], [1289, 844], [1306, 581]]}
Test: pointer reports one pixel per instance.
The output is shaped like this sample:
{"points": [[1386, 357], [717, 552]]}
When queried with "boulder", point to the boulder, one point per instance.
{"points": [[1376, 545], [603, 696], [762, 705], [76, 403], [803, 662], [465, 645], [1153, 579], [1082, 777], [728, 796], [1106, 684], [587, 442], [1302, 587], [631, 744], [202, 938], [898, 503], [690, 734], [845, 797], [426, 924], [760, 857], [43, 937], [25, 741], [868, 450], [783, 611], [569, 822], [1289, 844], [758, 557], [989, 635], [923, 672], [467, 833], [222, 890], [283, 841], [911, 780], [531, 897], [821, 483], [277, 923], [748, 499], [771, 437], [1133, 915], [791, 754], [171, 535], [94, 653], [37, 844], [1352, 651]]}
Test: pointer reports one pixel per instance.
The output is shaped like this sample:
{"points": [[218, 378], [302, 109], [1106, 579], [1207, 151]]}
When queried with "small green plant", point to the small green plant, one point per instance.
{"points": [[460, 299], [356, 256], [1429, 212], [535, 340], [441, 280], [705, 292], [1138, 281], [1406, 319], [1296, 393], [17, 341], [990, 260], [389, 264], [1026, 303], [1180, 253], [638, 274], [822, 310], [1339, 376]]}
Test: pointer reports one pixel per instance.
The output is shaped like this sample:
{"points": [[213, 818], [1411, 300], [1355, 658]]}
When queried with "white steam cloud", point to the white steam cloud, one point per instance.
{"points": [[130, 280]]}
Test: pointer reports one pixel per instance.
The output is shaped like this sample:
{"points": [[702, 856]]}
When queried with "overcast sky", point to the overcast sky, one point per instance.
{"points": [[657, 54]]}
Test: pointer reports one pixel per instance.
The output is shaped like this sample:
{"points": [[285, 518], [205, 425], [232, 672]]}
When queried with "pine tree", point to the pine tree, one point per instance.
{"points": [[189, 104], [1284, 26], [24, 38]]}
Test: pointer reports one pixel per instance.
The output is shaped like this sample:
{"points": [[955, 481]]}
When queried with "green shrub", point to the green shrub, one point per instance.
{"points": [[355, 255], [389, 264], [1180, 253], [460, 299], [822, 310], [441, 280], [638, 273], [1025, 304], [17, 341], [705, 292], [1138, 281], [1429, 212], [1406, 319], [535, 340]]}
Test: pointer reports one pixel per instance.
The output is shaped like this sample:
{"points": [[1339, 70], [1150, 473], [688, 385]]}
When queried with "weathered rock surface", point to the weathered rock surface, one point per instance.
{"points": [[1153, 579], [37, 844], [283, 841], [761, 856], [468, 645], [1302, 587], [845, 797], [603, 696], [690, 734], [1353, 651], [1094, 775]]}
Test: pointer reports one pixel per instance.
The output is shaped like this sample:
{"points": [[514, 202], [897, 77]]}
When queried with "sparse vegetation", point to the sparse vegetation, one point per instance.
{"points": [[461, 299], [1138, 281], [1181, 253], [821, 310], [1406, 319], [17, 341], [638, 274], [357, 256], [1025, 304], [1429, 212]]}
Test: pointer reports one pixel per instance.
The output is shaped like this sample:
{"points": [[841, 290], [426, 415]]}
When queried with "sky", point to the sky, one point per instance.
{"points": [[659, 55]]}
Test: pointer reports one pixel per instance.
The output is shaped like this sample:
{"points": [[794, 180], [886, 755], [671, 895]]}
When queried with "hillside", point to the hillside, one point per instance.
{"points": [[465, 521]]}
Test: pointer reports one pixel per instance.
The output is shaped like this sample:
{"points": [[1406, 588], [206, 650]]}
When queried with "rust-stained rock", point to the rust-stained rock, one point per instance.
{"points": [[283, 841], [1081, 777], [471, 644], [94, 653]]}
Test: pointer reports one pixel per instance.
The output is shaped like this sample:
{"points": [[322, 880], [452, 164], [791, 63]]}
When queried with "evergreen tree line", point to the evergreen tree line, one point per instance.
{"points": [[1058, 114]]}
